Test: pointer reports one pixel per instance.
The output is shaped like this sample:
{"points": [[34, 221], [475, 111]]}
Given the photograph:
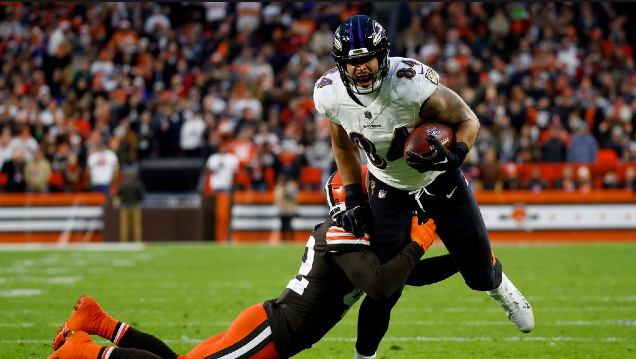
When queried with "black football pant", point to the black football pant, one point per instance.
{"points": [[451, 204]]}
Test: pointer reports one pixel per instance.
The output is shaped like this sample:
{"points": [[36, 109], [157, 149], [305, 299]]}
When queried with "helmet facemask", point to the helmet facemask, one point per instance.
{"points": [[360, 37], [377, 77]]}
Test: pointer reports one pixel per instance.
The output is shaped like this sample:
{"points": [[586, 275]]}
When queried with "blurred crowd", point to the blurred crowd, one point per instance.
{"points": [[550, 82]]}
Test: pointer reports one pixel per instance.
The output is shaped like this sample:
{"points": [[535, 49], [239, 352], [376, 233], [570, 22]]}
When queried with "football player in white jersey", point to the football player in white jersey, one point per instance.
{"points": [[373, 101]]}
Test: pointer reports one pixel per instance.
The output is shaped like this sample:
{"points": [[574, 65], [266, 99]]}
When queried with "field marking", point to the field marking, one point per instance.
{"points": [[96, 247], [20, 292], [478, 339], [49, 280], [17, 325], [185, 339], [625, 322], [423, 309], [534, 308], [627, 298]]}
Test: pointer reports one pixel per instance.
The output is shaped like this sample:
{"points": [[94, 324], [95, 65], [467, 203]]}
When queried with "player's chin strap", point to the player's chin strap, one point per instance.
{"points": [[353, 96], [418, 193]]}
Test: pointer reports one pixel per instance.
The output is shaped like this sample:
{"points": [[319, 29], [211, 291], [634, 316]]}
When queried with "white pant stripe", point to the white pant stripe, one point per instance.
{"points": [[254, 342]]}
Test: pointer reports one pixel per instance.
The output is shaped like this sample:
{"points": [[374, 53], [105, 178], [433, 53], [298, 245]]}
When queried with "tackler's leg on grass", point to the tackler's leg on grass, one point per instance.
{"points": [[249, 336]]}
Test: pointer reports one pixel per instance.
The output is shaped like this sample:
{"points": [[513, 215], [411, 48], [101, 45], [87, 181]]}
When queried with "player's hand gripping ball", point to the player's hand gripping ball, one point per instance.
{"points": [[430, 147], [418, 142]]}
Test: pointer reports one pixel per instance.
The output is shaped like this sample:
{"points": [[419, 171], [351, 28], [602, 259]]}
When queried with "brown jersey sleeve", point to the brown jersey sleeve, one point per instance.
{"points": [[432, 270], [379, 281]]}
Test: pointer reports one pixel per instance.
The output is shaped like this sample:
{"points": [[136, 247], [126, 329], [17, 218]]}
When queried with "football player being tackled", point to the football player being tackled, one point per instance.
{"points": [[336, 270], [373, 101]]}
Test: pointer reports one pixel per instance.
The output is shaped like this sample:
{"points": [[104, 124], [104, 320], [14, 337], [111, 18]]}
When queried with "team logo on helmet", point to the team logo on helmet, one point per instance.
{"points": [[378, 33], [336, 40]]}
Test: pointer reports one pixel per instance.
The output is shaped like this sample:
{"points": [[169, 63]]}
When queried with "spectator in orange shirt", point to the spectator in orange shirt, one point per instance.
{"points": [[243, 147], [124, 39], [304, 27]]}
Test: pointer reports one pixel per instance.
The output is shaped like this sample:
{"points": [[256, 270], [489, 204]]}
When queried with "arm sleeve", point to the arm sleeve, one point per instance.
{"points": [[432, 270], [378, 281]]}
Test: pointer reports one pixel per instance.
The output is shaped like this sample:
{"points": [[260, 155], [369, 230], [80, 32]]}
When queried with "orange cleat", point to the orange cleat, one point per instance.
{"points": [[78, 345], [60, 338], [89, 317]]}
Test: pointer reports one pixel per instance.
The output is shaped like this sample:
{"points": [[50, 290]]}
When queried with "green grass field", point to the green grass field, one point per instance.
{"points": [[583, 296]]}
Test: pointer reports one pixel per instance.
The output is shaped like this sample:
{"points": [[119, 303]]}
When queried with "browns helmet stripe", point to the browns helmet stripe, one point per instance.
{"points": [[328, 191]]}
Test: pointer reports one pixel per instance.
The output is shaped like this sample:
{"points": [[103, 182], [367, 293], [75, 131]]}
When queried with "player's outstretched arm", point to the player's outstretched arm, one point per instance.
{"points": [[380, 281]]}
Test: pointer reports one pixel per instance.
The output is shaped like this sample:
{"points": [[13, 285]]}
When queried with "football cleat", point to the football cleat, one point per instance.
{"points": [[61, 336], [78, 345], [514, 304], [87, 316]]}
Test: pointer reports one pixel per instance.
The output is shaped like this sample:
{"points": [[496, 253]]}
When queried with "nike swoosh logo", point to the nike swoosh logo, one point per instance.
{"points": [[440, 162], [451, 194]]}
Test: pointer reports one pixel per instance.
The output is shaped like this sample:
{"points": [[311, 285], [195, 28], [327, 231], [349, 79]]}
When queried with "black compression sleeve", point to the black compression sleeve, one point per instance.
{"points": [[146, 342], [461, 150], [432, 270], [121, 353], [354, 196], [379, 281]]}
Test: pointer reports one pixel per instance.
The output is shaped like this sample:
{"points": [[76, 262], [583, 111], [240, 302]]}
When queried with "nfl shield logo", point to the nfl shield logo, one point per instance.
{"points": [[432, 130], [382, 193], [367, 114]]}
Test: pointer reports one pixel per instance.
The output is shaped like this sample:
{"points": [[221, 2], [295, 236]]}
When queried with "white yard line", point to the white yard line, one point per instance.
{"points": [[185, 339], [477, 339], [480, 339], [98, 247], [626, 322], [476, 309]]}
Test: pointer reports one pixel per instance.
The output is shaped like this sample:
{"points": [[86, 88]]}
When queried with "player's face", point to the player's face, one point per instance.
{"points": [[362, 70]]}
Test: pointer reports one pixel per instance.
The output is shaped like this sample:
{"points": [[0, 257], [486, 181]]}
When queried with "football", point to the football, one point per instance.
{"points": [[417, 141]]}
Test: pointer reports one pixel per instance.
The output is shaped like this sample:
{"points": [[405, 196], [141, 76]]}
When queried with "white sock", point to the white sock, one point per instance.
{"points": [[360, 356]]}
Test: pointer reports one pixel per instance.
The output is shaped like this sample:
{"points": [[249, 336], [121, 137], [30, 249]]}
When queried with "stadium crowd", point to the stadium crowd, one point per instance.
{"points": [[550, 83]]}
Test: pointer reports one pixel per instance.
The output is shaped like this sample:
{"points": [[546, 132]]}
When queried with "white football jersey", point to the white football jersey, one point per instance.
{"points": [[381, 128]]}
